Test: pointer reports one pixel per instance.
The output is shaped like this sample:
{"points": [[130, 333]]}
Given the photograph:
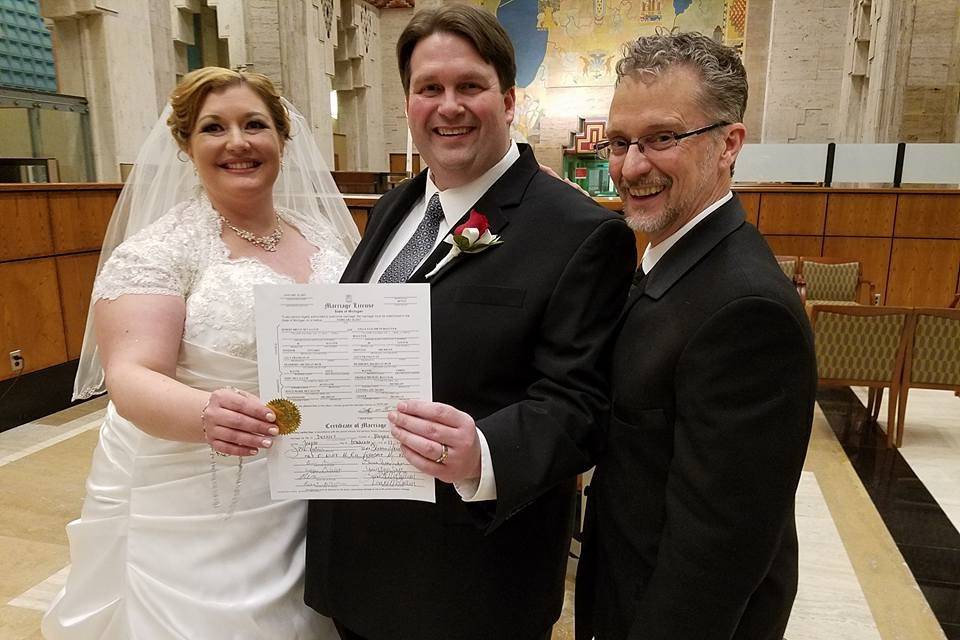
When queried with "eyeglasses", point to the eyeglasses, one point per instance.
{"points": [[663, 141]]}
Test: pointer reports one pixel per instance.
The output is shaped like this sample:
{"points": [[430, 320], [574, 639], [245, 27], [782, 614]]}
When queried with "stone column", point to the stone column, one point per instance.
{"points": [[358, 84], [106, 53], [756, 55], [878, 42], [307, 41]]}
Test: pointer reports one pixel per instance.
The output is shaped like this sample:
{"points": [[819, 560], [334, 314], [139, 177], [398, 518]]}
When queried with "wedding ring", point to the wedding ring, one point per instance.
{"points": [[443, 455]]}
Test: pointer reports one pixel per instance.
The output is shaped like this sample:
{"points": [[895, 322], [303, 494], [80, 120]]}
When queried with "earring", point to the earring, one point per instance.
{"points": [[183, 158]]}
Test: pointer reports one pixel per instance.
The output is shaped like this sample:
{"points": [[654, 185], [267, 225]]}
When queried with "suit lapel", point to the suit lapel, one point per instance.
{"points": [[688, 251], [380, 228], [505, 194]]}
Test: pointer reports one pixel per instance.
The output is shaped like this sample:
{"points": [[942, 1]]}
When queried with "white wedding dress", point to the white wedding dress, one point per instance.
{"points": [[152, 557]]}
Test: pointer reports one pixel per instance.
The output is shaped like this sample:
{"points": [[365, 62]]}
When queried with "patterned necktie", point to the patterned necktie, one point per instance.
{"points": [[418, 246]]}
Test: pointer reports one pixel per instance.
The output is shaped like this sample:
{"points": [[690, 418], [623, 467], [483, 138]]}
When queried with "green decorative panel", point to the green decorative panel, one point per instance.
{"points": [[26, 53]]}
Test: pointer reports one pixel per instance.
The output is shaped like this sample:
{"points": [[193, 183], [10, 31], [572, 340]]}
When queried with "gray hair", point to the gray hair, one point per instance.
{"points": [[723, 90]]}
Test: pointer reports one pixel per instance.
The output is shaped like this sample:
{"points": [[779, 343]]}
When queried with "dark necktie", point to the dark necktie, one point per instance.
{"points": [[639, 276], [418, 246]]}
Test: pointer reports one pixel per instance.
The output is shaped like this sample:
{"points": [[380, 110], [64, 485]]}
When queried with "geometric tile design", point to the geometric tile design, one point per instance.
{"points": [[737, 15], [591, 132], [936, 351], [857, 347], [915, 489], [830, 602]]}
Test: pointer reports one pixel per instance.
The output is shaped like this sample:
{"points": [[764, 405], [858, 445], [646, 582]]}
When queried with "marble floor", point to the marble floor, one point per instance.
{"points": [[869, 521]]}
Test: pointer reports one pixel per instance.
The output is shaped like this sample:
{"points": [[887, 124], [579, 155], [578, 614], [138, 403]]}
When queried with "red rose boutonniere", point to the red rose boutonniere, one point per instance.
{"points": [[473, 236]]}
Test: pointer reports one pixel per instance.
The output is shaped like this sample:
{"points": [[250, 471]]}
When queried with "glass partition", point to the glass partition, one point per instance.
{"points": [[803, 163], [859, 163], [49, 126], [931, 164], [62, 137], [838, 164]]}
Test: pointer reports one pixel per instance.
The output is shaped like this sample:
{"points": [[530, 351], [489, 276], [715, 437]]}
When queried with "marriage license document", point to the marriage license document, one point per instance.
{"points": [[345, 354]]}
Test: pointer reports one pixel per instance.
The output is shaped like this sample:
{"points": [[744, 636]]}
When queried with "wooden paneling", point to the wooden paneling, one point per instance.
{"points": [[751, 204], [76, 274], [928, 216], [30, 304], [855, 214], [795, 245], [792, 213], [873, 255], [79, 219], [398, 163], [25, 224], [923, 272], [360, 218]]}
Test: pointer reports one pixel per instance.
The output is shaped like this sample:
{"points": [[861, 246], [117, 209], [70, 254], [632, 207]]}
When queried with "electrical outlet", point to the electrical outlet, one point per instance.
{"points": [[16, 360], [876, 298]]}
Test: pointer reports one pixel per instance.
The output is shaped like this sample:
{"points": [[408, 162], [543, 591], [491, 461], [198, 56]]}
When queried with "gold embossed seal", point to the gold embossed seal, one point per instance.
{"points": [[288, 415]]}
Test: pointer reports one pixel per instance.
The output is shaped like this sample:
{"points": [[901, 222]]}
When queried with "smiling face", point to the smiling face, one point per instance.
{"points": [[663, 190], [235, 146], [459, 117]]}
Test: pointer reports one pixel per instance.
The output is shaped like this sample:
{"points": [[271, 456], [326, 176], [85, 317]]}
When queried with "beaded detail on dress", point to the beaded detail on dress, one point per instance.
{"points": [[182, 254]]}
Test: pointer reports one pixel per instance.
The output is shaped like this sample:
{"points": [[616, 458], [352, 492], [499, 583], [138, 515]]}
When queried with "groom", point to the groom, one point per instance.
{"points": [[519, 334]]}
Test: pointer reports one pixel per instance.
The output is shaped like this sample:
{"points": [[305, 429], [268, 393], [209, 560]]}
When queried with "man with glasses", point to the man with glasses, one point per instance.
{"points": [[690, 527]]}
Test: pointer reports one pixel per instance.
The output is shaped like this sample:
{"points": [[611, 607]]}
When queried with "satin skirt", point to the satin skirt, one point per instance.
{"points": [[152, 557]]}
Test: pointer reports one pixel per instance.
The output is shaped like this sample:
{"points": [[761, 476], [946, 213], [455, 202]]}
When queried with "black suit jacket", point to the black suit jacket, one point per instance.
{"points": [[690, 529], [519, 335]]}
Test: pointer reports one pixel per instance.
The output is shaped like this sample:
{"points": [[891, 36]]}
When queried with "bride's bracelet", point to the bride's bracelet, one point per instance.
{"points": [[203, 425], [214, 485], [203, 418]]}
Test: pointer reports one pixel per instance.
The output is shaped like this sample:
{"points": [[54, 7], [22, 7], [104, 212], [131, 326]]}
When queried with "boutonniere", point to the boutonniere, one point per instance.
{"points": [[473, 236]]}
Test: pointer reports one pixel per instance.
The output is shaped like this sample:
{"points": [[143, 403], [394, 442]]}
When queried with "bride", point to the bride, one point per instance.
{"points": [[178, 536]]}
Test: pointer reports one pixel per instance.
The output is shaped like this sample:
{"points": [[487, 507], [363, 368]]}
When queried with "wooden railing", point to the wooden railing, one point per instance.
{"points": [[908, 241], [48, 258]]}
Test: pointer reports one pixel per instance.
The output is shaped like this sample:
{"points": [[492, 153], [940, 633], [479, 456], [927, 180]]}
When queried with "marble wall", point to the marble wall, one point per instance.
{"points": [[801, 60], [801, 99]]}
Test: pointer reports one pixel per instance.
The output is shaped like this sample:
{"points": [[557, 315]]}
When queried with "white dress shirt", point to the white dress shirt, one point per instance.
{"points": [[652, 254], [456, 202]]}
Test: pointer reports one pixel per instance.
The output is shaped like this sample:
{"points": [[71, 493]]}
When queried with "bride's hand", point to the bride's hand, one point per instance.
{"points": [[236, 423]]}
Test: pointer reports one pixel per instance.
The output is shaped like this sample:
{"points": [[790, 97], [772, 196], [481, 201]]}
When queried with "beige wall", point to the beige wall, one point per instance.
{"points": [[932, 92], [392, 22], [804, 71]]}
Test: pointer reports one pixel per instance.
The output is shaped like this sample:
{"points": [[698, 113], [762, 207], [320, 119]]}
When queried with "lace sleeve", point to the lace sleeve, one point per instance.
{"points": [[158, 260]]}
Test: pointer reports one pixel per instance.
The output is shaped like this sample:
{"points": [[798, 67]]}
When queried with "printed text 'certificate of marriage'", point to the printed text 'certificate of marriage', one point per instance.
{"points": [[345, 354]]}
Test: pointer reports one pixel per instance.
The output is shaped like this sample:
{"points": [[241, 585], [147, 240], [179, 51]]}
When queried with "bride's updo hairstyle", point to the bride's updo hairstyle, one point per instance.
{"points": [[188, 97]]}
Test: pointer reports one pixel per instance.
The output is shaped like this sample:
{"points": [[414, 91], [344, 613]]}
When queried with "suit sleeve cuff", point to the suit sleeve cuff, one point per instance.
{"points": [[484, 487]]}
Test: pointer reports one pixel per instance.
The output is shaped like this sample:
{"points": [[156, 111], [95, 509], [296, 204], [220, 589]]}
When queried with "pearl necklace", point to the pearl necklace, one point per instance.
{"points": [[267, 243]]}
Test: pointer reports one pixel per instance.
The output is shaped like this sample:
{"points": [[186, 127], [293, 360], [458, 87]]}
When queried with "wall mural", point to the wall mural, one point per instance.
{"points": [[573, 44]]}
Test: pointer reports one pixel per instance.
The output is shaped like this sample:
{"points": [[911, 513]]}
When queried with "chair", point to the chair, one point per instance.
{"points": [[831, 281], [789, 265], [863, 346], [932, 359]]}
